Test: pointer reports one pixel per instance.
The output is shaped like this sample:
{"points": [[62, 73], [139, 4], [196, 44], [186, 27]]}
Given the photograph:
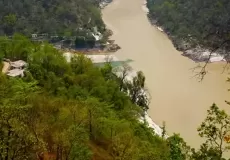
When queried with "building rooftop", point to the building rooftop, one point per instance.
{"points": [[18, 64], [15, 72]]}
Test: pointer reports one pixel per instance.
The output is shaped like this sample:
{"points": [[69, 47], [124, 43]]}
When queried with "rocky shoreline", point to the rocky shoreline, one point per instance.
{"points": [[104, 3], [203, 55], [197, 54], [145, 118], [109, 48]]}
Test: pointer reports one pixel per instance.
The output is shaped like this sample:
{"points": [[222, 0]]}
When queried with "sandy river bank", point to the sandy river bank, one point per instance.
{"points": [[177, 98]]}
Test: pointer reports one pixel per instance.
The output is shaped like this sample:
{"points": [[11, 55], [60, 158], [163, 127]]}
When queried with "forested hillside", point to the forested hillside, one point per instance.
{"points": [[56, 17], [72, 111], [77, 111], [203, 22]]}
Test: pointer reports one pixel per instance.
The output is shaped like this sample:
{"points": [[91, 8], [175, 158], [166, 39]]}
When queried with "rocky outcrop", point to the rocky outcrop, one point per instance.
{"points": [[194, 53], [104, 3], [113, 48], [203, 55]]}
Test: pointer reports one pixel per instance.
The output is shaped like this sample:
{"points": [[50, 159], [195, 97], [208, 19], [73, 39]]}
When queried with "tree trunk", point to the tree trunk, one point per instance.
{"points": [[7, 143], [90, 125], [58, 149]]}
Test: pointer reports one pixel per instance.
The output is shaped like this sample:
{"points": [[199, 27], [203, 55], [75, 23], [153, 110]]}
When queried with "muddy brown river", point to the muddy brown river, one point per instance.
{"points": [[177, 97]]}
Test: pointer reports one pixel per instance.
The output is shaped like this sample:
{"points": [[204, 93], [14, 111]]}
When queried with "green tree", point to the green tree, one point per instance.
{"points": [[178, 148], [47, 59], [137, 92], [19, 47], [122, 74], [9, 21], [16, 139], [215, 129]]}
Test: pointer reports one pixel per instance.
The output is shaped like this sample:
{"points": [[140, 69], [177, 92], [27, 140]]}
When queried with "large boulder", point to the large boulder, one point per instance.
{"points": [[113, 48]]}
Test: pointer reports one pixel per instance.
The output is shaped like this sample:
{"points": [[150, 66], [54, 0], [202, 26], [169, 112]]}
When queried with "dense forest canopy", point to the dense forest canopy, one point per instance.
{"points": [[55, 17], [203, 22]]}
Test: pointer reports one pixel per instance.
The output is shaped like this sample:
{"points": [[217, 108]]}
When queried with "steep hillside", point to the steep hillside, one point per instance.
{"points": [[73, 111], [194, 23], [56, 17]]}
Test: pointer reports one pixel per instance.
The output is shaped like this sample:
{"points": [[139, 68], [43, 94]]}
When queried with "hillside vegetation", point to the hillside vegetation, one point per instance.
{"points": [[77, 111], [72, 111], [56, 17], [199, 22]]}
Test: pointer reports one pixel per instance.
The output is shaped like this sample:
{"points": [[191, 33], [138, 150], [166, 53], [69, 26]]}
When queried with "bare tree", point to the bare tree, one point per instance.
{"points": [[122, 73], [203, 68]]}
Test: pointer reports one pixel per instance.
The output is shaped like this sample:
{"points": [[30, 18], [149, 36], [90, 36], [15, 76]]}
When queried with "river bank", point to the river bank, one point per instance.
{"points": [[109, 48], [197, 53], [111, 58], [104, 3]]}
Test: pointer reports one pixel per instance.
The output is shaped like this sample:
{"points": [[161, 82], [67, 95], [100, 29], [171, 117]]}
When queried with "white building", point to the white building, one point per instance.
{"points": [[17, 68]]}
